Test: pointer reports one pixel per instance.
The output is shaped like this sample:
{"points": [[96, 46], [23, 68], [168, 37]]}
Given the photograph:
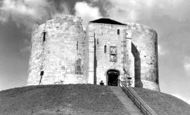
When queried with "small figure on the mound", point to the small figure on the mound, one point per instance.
{"points": [[101, 82]]}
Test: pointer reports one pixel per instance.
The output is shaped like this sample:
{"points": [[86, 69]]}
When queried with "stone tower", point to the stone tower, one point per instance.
{"points": [[145, 51], [57, 52], [108, 51]]}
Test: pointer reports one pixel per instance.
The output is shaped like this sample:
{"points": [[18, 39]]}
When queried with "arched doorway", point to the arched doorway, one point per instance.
{"points": [[112, 77]]}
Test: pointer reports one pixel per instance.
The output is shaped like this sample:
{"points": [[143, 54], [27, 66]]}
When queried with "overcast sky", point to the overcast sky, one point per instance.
{"points": [[170, 18]]}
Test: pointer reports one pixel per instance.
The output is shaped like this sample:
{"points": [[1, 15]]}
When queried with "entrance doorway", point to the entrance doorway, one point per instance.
{"points": [[112, 76]]}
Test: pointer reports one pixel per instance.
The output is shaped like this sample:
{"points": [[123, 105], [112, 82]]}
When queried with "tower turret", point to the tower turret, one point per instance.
{"points": [[57, 54]]}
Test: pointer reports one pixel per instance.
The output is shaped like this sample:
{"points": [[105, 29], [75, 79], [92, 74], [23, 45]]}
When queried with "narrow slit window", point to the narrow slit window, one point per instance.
{"points": [[77, 45], [41, 73], [105, 48], [78, 69], [118, 32], [44, 36]]}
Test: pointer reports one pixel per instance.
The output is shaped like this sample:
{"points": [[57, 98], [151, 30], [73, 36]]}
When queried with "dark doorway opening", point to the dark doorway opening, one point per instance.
{"points": [[113, 75]]}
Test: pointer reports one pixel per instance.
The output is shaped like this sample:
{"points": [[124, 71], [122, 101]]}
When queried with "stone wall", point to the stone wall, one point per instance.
{"points": [[136, 53], [106, 36], [144, 39], [62, 52], [61, 55]]}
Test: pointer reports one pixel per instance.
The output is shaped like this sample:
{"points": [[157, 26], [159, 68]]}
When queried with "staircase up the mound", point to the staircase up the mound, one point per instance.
{"points": [[131, 108]]}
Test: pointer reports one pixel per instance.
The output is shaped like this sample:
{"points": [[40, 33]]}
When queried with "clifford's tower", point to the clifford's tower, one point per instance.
{"points": [[105, 52], [106, 68]]}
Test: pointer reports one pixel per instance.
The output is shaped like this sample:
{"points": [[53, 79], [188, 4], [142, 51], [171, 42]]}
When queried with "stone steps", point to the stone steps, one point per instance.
{"points": [[131, 108]]}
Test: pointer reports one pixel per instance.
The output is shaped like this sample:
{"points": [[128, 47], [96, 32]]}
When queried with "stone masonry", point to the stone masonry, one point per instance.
{"points": [[63, 53], [58, 56]]}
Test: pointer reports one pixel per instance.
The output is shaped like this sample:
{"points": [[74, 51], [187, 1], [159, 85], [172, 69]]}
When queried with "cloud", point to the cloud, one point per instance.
{"points": [[161, 50], [24, 12], [86, 11], [128, 10], [187, 65], [28, 12], [135, 10], [63, 9], [3, 17], [17, 7], [27, 47]]}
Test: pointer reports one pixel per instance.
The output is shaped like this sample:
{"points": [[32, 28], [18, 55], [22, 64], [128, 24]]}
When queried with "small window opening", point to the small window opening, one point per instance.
{"points": [[113, 53], [78, 69], [105, 48], [44, 36], [41, 73], [118, 31], [77, 45], [97, 41]]}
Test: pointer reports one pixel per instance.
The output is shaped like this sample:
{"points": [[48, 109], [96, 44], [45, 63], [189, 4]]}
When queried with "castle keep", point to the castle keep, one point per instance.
{"points": [[106, 52]]}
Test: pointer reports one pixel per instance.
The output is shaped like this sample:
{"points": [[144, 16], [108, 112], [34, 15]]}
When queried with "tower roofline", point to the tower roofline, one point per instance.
{"points": [[107, 21]]}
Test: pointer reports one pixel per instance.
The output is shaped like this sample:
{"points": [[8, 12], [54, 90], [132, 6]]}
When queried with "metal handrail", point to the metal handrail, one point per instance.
{"points": [[138, 101]]}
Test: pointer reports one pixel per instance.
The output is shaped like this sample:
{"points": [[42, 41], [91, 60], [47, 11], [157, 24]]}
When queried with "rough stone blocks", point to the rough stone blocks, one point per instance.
{"points": [[62, 53]]}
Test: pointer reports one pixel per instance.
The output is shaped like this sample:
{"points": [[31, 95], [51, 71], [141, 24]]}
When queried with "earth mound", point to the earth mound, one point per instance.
{"points": [[60, 100], [163, 104], [81, 100]]}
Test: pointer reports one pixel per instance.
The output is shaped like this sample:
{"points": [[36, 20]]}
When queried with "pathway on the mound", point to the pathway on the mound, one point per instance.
{"points": [[131, 108]]}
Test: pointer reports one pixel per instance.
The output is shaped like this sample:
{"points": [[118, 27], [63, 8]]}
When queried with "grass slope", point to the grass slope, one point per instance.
{"points": [[163, 104], [60, 100]]}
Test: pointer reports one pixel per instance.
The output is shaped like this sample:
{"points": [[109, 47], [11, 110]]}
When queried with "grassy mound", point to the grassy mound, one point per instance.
{"points": [[81, 100], [59, 100], [162, 103]]}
